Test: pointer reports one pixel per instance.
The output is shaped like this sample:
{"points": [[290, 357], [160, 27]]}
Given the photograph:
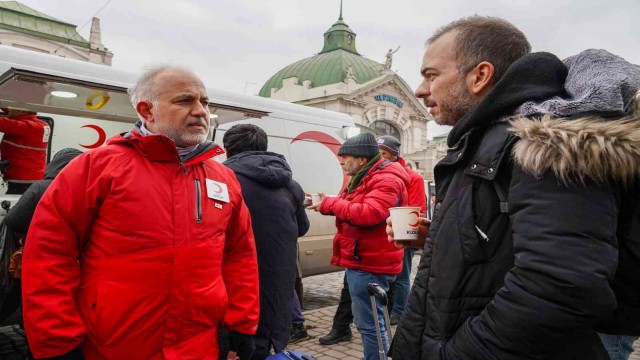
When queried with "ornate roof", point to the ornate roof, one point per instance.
{"points": [[330, 66], [18, 17]]}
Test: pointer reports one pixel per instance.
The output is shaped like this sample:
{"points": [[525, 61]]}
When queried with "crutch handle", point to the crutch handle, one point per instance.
{"points": [[376, 290]]}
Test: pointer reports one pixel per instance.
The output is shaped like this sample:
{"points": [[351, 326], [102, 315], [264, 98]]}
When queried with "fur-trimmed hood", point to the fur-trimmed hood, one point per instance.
{"points": [[579, 149], [592, 131]]}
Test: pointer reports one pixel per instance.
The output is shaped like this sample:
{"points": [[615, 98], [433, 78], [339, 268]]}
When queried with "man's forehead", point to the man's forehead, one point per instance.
{"points": [[440, 50], [180, 82], [177, 77]]}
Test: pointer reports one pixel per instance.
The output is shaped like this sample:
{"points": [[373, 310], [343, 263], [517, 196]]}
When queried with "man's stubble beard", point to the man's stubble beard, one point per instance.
{"points": [[458, 103], [180, 136]]}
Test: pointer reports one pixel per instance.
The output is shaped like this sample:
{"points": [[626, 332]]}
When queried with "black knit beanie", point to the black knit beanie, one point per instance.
{"points": [[390, 144], [361, 145]]}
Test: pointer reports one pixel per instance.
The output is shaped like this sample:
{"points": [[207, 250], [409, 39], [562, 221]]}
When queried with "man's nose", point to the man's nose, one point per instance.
{"points": [[200, 110], [423, 90]]}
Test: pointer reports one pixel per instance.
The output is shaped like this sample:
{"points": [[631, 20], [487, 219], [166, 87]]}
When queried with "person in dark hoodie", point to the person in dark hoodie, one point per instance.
{"points": [[20, 215], [535, 227], [278, 218]]}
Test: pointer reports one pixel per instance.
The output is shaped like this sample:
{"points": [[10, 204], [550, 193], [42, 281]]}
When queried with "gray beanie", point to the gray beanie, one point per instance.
{"points": [[361, 145], [390, 144]]}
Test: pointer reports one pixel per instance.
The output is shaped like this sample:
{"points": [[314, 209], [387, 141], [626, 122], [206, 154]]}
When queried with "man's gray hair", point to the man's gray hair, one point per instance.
{"points": [[144, 89]]}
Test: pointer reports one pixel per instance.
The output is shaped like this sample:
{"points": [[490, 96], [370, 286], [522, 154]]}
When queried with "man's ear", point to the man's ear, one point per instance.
{"points": [[144, 109], [481, 78]]}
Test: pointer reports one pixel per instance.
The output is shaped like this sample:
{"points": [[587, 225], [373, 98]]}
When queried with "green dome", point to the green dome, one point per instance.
{"points": [[324, 69], [329, 66]]}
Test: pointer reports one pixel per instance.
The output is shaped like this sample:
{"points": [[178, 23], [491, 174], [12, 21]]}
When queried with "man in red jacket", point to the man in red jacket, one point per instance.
{"points": [[141, 248], [24, 147], [361, 245], [400, 289]]}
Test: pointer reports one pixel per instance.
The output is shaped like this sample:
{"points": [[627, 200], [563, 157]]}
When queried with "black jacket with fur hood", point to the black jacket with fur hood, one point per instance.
{"points": [[531, 277]]}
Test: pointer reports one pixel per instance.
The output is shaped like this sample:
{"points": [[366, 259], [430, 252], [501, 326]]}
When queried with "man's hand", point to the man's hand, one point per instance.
{"points": [[316, 207], [241, 344], [423, 229]]}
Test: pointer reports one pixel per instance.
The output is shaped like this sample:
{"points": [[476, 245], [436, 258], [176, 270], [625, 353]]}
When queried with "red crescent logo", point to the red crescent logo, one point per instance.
{"points": [[417, 219], [218, 190], [327, 140], [102, 137]]}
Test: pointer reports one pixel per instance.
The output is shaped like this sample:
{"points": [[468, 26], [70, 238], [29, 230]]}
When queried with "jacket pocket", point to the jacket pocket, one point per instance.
{"points": [[482, 227]]}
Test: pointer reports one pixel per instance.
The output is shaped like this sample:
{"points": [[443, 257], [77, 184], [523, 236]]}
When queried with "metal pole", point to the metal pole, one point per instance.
{"points": [[374, 307]]}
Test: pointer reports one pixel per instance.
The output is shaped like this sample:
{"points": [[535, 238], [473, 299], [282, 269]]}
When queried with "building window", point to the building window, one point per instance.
{"points": [[384, 128]]}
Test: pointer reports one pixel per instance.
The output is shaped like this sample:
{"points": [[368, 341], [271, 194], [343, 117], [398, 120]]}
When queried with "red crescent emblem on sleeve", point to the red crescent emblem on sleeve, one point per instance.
{"points": [[218, 188]]}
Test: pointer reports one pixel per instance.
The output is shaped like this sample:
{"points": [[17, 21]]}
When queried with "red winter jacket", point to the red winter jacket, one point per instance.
{"points": [[417, 196], [361, 241], [24, 145], [129, 257]]}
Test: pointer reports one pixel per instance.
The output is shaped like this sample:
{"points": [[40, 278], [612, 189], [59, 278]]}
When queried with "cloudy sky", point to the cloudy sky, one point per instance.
{"points": [[238, 44]]}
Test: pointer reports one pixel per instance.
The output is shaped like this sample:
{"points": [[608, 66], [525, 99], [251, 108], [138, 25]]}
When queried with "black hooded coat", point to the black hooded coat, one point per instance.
{"points": [[20, 215], [277, 224], [531, 275]]}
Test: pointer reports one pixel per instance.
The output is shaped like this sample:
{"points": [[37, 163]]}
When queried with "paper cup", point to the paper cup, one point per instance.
{"points": [[405, 222], [315, 199]]}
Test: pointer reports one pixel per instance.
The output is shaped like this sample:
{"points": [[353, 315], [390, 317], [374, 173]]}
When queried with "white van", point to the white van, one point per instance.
{"points": [[85, 104]]}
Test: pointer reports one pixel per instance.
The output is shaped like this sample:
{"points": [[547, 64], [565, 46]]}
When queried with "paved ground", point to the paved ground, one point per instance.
{"points": [[321, 298], [321, 294]]}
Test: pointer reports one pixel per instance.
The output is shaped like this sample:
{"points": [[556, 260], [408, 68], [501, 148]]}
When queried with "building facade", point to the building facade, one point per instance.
{"points": [[26, 28], [338, 78]]}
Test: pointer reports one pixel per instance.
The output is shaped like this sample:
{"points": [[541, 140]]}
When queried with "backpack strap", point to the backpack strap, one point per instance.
{"points": [[502, 195]]}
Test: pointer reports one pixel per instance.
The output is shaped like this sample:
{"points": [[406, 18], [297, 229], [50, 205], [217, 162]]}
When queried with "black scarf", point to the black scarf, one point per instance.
{"points": [[533, 77]]}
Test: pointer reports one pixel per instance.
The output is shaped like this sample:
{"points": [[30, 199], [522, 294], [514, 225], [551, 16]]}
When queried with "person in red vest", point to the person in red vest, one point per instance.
{"points": [[24, 147]]}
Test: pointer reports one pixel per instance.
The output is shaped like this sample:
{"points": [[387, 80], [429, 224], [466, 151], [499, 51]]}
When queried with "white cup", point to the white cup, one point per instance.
{"points": [[315, 199], [404, 220]]}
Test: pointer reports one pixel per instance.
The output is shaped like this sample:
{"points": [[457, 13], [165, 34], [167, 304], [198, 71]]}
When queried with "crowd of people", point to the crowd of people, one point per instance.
{"points": [[148, 248]]}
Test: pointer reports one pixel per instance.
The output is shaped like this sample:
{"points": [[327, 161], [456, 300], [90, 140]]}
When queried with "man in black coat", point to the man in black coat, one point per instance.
{"points": [[278, 218], [524, 241]]}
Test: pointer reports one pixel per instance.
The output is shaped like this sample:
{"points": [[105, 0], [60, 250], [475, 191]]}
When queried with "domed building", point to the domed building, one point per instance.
{"points": [[26, 28], [338, 78]]}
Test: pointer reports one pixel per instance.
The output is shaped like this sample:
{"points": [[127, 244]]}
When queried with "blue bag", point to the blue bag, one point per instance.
{"points": [[291, 355]]}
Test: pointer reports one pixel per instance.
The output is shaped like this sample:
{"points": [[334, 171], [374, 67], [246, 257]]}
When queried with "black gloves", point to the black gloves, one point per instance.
{"points": [[74, 354], [242, 344]]}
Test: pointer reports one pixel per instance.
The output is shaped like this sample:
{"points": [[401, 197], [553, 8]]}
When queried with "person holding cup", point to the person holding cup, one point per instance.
{"points": [[360, 244]]}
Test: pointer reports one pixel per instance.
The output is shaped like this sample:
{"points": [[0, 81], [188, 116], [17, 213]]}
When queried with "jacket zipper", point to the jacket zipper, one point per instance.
{"points": [[355, 249], [482, 234], [198, 202]]}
